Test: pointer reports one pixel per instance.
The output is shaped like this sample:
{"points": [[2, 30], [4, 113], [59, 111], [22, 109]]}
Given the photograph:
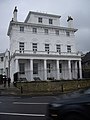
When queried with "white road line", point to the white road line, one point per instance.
{"points": [[23, 103], [21, 114]]}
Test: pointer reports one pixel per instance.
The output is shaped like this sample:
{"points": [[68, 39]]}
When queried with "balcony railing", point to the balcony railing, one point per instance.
{"points": [[47, 53]]}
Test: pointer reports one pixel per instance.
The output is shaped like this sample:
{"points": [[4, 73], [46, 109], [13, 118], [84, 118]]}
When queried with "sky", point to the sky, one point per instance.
{"points": [[78, 9]]}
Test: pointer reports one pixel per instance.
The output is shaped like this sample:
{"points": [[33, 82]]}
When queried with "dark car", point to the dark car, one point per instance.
{"points": [[75, 106]]}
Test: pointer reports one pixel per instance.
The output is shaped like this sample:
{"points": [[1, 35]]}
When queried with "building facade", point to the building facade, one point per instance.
{"points": [[4, 63], [41, 48]]}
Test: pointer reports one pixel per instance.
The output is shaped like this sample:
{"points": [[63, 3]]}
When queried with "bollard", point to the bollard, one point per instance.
{"points": [[62, 87], [21, 89]]}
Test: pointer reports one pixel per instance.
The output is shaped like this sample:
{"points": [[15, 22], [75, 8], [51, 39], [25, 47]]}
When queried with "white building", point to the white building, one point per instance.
{"points": [[4, 63], [40, 47]]}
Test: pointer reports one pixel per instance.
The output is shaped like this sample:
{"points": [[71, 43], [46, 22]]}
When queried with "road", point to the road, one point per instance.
{"points": [[24, 108]]}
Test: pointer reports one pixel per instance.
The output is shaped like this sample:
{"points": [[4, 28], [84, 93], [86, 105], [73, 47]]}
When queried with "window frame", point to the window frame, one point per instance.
{"points": [[40, 20], [35, 68], [47, 48], [69, 48], [34, 47], [34, 30], [58, 48], [22, 68], [21, 28], [21, 47], [50, 21]]}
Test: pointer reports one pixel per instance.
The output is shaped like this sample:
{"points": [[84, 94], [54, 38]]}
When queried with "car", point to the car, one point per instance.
{"points": [[72, 106]]}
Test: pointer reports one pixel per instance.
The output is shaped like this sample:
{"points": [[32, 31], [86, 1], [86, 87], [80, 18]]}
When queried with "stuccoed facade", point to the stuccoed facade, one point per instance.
{"points": [[41, 49], [4, 63]]}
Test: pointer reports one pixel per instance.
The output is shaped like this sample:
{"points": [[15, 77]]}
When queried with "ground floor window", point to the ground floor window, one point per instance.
{"points": [[48, 68], [35, 68], [60, 67], [22, 68]]}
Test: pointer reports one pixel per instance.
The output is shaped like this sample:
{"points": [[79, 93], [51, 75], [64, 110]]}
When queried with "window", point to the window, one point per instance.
{"points": [[48, 67], [1, 59], [40, 20], [47, 48], [1, 71], [57, 32], [46, 31], [21, 29], [50, 21], [21, 47], [22, 68], [34, 30], [60, 67], [69, 48], [68, 33], [35, 68], [58, 48], [34, 47]]}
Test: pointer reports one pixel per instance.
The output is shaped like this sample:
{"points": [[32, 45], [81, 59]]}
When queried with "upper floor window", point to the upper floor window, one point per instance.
{"points": [[21, 29], [46, 31], [57, 32], [68, 33], [50, 21], [58, 48], [69, 48], [40, 20], [21, 47], [34, 47], [34, 30], [47, 48], [1, 59]]}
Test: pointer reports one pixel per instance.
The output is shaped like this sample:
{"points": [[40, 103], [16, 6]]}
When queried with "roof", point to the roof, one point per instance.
{"points": [[86, 58], [42, 14]]}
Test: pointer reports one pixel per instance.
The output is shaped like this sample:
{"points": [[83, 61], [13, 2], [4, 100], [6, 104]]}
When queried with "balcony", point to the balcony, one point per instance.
{"points": [[48, 53]]}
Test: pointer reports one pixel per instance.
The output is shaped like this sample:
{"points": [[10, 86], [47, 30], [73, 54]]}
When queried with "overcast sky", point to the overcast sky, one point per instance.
{"points": [[78, 9]]}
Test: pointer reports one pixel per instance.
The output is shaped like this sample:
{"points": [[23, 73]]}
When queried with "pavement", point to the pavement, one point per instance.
{"points": [[9, 90]]}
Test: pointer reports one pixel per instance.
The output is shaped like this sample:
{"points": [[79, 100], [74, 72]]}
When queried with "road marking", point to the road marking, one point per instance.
{"points": [[23, 103], [0, 102], [20, 114]]}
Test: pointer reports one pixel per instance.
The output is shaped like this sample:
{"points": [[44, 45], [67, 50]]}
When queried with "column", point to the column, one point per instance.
{"points": [[16, 66], [76, 70], [80, 69], [45, 70], [69, 68], [57, 65], [31, 69]]}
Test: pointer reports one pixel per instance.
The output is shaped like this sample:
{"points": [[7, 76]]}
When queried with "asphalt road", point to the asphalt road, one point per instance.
{"points": [[24, 108]]}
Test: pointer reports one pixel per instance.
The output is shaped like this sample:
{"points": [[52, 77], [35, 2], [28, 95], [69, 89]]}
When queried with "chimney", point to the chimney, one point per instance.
{"points": [[70, 22], [15, 14]]}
